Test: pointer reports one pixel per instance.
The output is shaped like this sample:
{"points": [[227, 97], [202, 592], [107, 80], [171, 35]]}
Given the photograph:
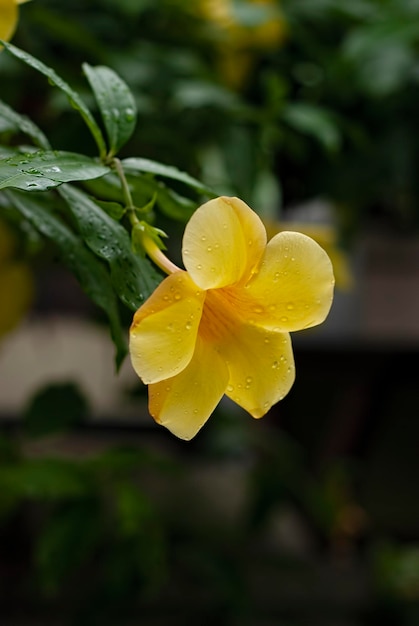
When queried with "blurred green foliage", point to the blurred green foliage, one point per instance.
{"points": [[330, 110]]}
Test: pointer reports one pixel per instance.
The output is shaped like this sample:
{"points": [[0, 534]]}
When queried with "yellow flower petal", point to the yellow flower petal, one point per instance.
{"points": [[326, 237], [8, 18], [223, 242], [261, 366], [294, 287], [185, 402], [164, 329]]}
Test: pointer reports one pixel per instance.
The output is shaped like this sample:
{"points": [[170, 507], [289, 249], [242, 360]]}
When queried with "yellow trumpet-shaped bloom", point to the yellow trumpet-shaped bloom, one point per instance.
{"points": [[8, 18], [222, 325]]}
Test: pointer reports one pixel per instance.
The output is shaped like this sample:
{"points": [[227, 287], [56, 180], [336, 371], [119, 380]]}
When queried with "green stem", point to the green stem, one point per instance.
{"points": [[150, 246]]}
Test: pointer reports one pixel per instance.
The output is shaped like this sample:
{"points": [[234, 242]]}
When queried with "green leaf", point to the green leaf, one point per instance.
{"points": [[137, 165], [115, 210], [74, 98], [68, 538], [46, 479], [40, 171], [10, 120], [134, 278], [314, 121], [116, 103], [55, 408], [91, 274]]}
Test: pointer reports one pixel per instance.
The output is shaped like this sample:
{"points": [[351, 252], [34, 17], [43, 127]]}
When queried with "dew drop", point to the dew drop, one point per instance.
{"points": [[188, 325], [284, 319], [275, 365], [199, 266], [209, 249], [230, 388], [195, 411], [272, 308], [290, 306], [257, 309], [203, 238]]}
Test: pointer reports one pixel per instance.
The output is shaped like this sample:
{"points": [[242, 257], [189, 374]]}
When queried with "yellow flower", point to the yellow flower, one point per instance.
{"points": [[8, 18], [238, 41], [326, 237], [222, 326], [16, 283]]}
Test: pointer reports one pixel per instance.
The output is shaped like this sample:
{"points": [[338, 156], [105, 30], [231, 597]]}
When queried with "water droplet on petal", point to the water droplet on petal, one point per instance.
{"points": [[230, 388], [284, 319], [290, 306]]}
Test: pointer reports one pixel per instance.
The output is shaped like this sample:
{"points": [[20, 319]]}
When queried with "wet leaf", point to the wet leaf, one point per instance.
{"points": [[116, 103], [10, 120], [74, 98], [133, 277], [40, 171], [135, 164], [91, 274]]}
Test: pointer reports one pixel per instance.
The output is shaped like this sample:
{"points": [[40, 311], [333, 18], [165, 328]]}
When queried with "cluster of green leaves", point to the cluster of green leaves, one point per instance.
{"points": [[89, 226]]}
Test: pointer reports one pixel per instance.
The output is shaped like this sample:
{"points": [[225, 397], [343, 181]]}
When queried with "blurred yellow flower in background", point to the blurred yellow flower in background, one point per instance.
{"points": [[8, 18], [222, 326], [258, 26], [16, 283]]}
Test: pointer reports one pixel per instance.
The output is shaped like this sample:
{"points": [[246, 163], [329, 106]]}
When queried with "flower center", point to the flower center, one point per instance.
{"points": [[219, 316]]}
